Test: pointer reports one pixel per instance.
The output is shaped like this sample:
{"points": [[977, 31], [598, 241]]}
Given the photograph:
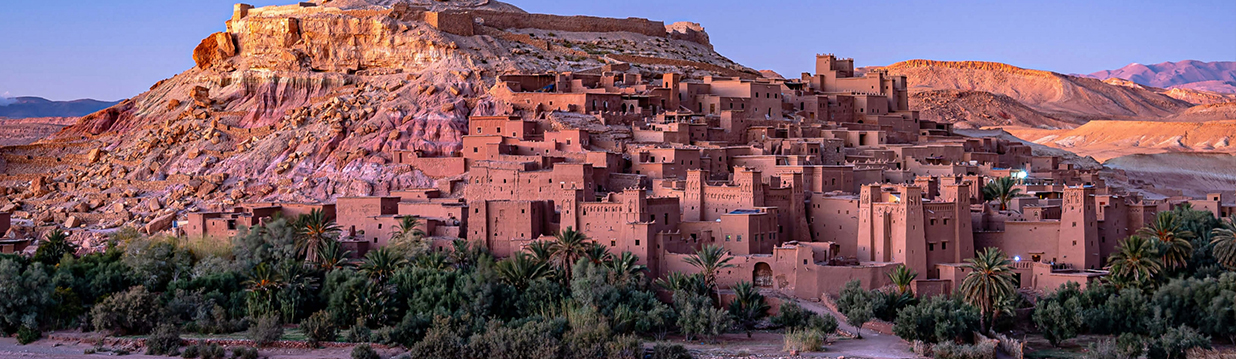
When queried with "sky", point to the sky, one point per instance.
{"points": [[110, 50]]}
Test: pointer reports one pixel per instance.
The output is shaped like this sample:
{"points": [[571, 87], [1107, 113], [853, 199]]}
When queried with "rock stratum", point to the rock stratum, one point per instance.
{"points": [[309, 102]]}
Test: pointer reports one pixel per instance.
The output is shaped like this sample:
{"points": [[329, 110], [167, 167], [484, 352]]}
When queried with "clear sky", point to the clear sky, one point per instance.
{"points": [[109, 50]]}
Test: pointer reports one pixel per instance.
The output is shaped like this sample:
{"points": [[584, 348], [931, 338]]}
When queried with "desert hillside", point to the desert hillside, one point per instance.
{"points": [[1069, 98], [1219, 76], [310, 102], [1109, 139]]}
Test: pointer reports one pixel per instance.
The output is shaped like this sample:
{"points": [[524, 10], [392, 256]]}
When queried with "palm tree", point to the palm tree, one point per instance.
{"points": [[681, 282], [409, 226], [1137, 260], [55, 245], [263, 284], [568, 247], [333, 256], [1225, 242], [902, 277], [598, 253], [1001, 190], [748, 306], [521, 269], [433, 260], [315, 228], [1175, 247], [381, 264], [990, 279], [626, 266], [543, 251], [711, 259]]}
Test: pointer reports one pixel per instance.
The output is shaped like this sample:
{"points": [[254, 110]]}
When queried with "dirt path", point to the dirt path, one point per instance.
{"points": [[873, 345]]}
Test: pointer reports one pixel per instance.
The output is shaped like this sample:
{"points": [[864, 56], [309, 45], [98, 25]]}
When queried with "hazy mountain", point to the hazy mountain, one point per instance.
{"points": [[28, 107], [1219, 76]]}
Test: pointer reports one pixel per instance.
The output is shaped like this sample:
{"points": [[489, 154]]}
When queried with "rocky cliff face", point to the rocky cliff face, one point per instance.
{"points": [[304, 103]]}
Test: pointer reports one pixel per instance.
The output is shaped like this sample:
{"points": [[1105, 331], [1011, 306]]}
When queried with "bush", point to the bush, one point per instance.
{"points": [[359, 333], [534, 339], [164, 341], [364, 351], [26, 335], [213, 351], [319, 328], [135, 311], [441, 341], [625, 347], [191, 352], [1176, 342], [793, 316], [676, 351], [267, 330], [985, 350], [804, 340], [1127, 345], [857, 305], [937, 320], [244, 353]]}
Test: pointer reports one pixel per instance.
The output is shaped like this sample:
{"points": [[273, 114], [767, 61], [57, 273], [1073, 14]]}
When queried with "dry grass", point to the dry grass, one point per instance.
{"points": [[202, 247], [804, 340]]}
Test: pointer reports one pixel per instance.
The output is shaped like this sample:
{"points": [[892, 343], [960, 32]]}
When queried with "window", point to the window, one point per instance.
{"points": [[943, 245], [613, 243], [931, 246], [739, 238], [637, 242]]}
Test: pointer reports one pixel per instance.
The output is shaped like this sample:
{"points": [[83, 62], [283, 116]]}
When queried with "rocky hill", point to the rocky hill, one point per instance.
{"points": [[29, 107], [1219, 76], [1109, 139], [310, 102], [16, 132], [1070, 99]]}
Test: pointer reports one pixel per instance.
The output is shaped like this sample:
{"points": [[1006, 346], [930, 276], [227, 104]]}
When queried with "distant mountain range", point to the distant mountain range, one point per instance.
{"points": [[29, 107], [1219, 76]]}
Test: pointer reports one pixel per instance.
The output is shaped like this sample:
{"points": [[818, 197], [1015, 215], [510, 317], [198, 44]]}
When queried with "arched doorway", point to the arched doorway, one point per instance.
{"points": [[763, 275]]}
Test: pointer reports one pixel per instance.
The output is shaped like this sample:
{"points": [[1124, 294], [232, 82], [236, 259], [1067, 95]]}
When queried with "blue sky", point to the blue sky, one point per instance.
{"points": [[115, 49]]}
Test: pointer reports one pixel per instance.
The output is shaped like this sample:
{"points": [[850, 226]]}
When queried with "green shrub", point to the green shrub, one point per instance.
{"points": [[794, 316], [267, 330], [1128, 345], [319, 328], [359, 333], [244, 353], [1176, 342], [676, 351], [213, 351], [191, 352], [135, 311], [364, 351], [950, 350], [937, 320], [804, 340], [26, 335], [164, 341], [533, 339]]}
